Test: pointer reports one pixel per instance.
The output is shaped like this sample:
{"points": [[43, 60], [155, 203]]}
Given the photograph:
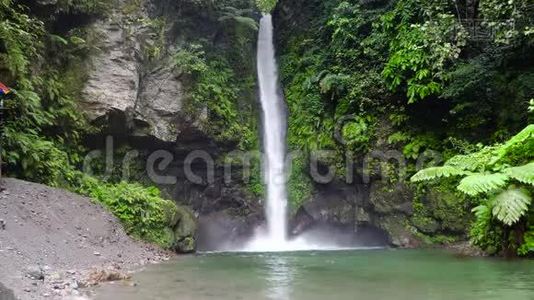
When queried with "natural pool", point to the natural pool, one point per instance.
{"points": [[355, 274]]}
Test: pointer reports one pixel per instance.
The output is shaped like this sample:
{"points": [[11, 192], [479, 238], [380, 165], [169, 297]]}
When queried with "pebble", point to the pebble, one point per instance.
{"points": [[97, 253]]}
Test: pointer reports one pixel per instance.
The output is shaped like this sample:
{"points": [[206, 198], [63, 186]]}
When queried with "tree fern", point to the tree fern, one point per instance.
{"points": [[511, 205], [482, 183], [437, 172], [523, 174]]}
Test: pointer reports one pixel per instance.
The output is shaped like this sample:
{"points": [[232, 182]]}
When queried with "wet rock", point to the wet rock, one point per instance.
{"points": [[426, 225], [400, 233], [184, 232], [334, 204], [387, 198]]}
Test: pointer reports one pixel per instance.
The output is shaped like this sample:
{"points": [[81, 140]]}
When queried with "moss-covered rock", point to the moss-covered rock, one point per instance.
{"points": [[389, 198], [185, 231], [448, 208], [400, 232]]}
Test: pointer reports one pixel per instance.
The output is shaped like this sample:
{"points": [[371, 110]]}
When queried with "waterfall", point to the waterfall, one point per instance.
{"points": [[274, 236], [274, 133]]}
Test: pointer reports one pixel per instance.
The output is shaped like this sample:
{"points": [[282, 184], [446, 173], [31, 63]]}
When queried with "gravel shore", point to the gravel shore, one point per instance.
{"points": [[55, 244]]}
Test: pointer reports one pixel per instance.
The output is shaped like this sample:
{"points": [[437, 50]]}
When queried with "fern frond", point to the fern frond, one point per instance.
{"points": [[511, 205], [472, 162], [437, 172], [523, 174], [482, 183], [522, 143]]}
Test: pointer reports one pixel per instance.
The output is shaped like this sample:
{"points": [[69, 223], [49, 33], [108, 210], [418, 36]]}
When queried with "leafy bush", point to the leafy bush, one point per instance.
{"points": [[142, 211], [266, 5], [216, 89], [419, 51], [502, 176]]}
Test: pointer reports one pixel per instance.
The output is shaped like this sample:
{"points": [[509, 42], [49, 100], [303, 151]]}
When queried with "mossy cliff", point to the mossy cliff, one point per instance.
{"points": [[390, 81]]}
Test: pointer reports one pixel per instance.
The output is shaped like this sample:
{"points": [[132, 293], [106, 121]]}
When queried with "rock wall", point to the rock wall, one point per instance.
{"points": [[126, 91], [138, 95]]}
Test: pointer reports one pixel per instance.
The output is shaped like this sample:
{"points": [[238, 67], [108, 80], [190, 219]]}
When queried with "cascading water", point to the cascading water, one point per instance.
{"points": [[274, 237], [274, 129]]}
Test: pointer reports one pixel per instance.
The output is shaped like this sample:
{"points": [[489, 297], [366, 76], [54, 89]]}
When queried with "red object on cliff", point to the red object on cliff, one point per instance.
{"points": [[4, 90]]}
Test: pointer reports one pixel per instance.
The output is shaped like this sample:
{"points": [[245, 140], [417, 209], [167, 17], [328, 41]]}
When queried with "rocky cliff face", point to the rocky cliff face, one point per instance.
{"points": [[138, 93], [125, 90]]}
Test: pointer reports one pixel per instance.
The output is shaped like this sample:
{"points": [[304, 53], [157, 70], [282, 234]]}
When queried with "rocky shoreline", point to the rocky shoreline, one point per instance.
{"points": [[57, 245]]}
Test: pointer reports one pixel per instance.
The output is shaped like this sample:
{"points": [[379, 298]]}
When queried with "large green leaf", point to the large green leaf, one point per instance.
{"points": [[482, 183], [437, 172], [511, 205], [523, 174]]}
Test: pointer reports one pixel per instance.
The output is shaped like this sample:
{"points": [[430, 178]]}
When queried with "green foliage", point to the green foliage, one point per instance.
{"points": [[528, 244], [508, 19], [436, 173], [379, 59], [216, 89], [266, 5], [299, 187], [239, 16], [20, 36], [477, 184], [44, 126], [484, 232], [42, 114], [256, 185], [485, 174], [511, 205], [419, 144], [142, 211], [523, 174], [357, 133], [420, 49], [191, 60]]}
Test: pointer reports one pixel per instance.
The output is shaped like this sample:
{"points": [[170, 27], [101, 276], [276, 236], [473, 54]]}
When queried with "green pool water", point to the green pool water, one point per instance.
{"points": [[356, 274]]}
